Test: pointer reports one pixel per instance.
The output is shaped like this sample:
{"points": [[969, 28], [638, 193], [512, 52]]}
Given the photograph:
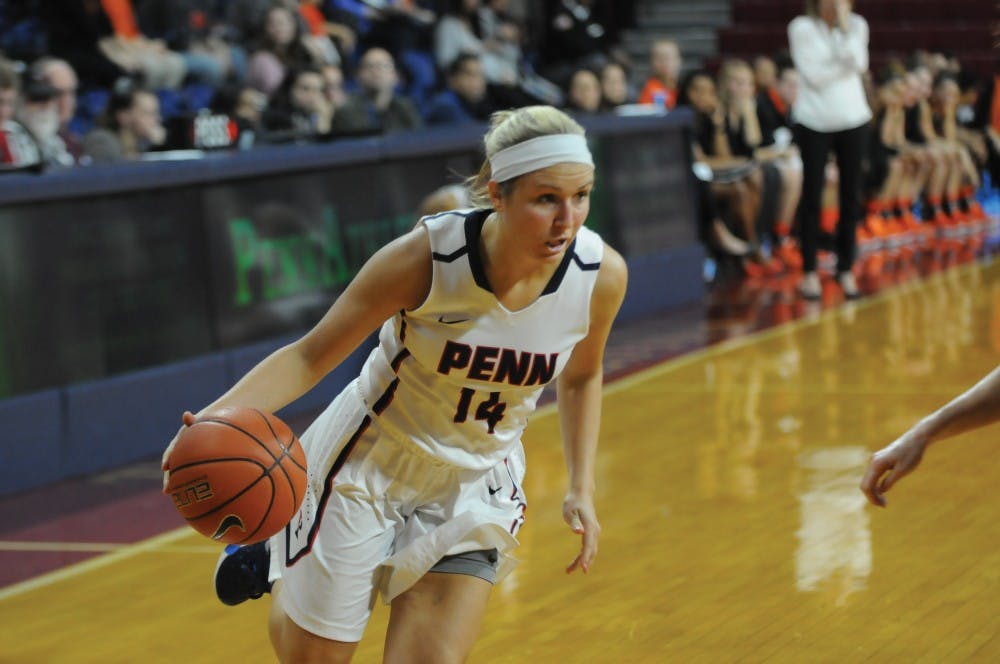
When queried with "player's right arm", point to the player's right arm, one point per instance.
{"points": [[396, 277], [976, 407]]}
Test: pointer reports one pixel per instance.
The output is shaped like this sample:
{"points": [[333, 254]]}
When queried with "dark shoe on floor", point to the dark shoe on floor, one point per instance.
{"points": [[241, 573]]}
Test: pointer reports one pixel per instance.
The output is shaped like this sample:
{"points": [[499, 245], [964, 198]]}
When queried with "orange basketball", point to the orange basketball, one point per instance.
{"points": [[237, 475]]}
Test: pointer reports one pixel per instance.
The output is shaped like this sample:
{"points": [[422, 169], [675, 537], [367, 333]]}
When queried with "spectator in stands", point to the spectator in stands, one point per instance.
{"points": [[246, 18], [244, 106], [399, 26], [60, 75], [945, 99], [459, 31], [315, 33], [660, 88], [333, 80], [775, 100], [299, 110], [339, 35], [765, 73], [196, 30], [466, 98], [136, 53], [18, 149], [829, 45], [892, 179], [774, 113], [376, 108], [731, 200], [575, 37], [615, 90], [498, 27], [941, 194], [584, 94], [781, 167], [248, 109], [404, 28], [280, 47], [987, 121], [897, 127], [131, 125], [39, 114], [456, 33], [497, 21], [75, 28]]}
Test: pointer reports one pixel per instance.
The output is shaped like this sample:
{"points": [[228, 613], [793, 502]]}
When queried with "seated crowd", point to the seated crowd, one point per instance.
{"points": [[120, 79], [127, 78], [934, 134]]}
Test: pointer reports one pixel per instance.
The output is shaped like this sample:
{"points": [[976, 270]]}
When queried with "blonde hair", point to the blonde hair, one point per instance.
{"points": [[508, 128], [726, 71]]}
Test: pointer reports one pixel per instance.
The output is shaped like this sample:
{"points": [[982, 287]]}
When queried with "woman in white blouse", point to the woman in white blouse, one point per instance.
{"points": [[829, 45]]}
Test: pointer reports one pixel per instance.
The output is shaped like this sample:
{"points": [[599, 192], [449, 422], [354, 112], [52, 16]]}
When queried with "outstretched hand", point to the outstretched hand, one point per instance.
{"points": [[579, 513], [187, 420], [891, 464]]}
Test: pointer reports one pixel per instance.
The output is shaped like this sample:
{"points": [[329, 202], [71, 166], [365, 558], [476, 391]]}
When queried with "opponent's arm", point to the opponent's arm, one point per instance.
{"points": [[974, 408]]}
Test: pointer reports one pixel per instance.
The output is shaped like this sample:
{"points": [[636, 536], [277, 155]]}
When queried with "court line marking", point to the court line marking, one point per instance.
{"points": [[87, 547], [91, 564], [612, 387]]}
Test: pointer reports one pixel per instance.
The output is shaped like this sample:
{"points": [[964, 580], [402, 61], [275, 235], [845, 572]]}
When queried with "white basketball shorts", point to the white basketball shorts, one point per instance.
{"points": [[378, 514]]}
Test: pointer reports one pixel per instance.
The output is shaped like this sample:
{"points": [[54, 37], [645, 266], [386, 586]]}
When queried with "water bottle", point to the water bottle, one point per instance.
{"points": [[660, 101]]}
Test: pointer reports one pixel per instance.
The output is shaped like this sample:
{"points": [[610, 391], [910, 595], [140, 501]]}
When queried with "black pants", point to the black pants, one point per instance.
{"points": [[850, 147]]}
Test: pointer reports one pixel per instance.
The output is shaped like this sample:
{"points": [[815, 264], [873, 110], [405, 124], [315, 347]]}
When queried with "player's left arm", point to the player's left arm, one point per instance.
{"points": [[579, 389]]}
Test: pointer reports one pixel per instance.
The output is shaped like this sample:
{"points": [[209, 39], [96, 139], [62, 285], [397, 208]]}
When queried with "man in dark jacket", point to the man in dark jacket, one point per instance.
{"points": [[376, 108]]}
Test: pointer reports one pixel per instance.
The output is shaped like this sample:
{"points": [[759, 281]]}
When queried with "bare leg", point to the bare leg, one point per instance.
{"points": [[891, 188], [294, 645], [791, 188], [437, 620], [954, 183], [911, 181], [969, 170], [938, 179]]}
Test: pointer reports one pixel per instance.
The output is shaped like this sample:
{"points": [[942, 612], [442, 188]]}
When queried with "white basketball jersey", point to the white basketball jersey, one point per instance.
{"points": [[459, 375]]}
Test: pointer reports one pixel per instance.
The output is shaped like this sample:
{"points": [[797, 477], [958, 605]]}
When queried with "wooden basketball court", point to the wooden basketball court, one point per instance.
{"points": [[733, 526]]}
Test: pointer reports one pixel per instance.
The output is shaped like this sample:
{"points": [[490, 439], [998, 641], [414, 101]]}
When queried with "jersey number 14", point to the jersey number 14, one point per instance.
{"points": [[491, 410]]}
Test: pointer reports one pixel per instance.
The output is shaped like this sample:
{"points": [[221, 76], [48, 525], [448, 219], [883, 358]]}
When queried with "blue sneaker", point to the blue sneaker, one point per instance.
{"points": [[241, 573]]}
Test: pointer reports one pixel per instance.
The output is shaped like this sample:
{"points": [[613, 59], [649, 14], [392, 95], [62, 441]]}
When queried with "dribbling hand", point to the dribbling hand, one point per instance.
{"points": [[579, 513], [187, 419]]}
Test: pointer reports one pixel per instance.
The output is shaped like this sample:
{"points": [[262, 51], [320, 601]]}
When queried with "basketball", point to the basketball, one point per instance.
{"points": [[237, 475]]}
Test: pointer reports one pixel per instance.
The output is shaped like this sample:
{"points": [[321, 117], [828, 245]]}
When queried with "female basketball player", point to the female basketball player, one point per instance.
{"points": [[415, 468]]}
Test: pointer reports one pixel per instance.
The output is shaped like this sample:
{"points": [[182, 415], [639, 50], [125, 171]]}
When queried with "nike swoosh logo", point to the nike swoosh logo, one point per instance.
{"points": [[492, 490], [452, 322], [231, 521]]}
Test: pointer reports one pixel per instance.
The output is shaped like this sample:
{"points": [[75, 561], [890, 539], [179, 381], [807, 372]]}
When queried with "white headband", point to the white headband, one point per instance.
{"points": [[538, 153]]}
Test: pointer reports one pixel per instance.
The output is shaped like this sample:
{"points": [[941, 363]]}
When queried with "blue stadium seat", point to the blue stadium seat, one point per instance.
{"points": [[197, 96], [172, 103]]}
